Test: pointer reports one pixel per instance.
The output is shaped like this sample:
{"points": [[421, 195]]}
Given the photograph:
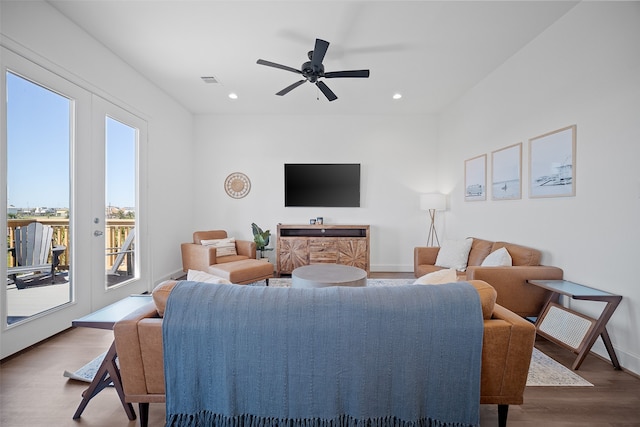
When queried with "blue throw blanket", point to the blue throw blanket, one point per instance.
{"points": [[243, 356]]}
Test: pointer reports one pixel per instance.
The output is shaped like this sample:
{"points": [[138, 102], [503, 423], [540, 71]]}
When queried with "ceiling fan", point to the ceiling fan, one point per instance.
{"points": [[313, 70]]}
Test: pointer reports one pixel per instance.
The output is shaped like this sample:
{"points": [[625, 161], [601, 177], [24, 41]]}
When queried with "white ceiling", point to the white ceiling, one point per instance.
{"points": [[430, 51]]}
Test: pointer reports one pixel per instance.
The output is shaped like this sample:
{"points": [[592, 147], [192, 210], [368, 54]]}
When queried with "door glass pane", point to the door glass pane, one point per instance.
{"points": [[39, 130], [120, 191]]}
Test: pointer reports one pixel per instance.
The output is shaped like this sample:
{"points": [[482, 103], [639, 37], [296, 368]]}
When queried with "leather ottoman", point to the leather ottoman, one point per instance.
{"points": [[243, 271]]}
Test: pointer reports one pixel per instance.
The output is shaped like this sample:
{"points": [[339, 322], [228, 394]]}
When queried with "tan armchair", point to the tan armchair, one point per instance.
{"points": [[240, 268], [506, 353], [196, 256]]}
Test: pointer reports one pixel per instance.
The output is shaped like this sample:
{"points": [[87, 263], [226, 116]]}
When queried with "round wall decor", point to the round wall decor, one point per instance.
{"points": [[237, 185]]}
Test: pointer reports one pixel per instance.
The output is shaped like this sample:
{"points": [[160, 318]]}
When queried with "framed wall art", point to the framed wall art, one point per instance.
{"points": [[506, 173], [552, 164], [475, 178]]}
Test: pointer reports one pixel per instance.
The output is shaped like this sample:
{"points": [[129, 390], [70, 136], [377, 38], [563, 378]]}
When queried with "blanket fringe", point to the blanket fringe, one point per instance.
{"points": [[208, 419]]}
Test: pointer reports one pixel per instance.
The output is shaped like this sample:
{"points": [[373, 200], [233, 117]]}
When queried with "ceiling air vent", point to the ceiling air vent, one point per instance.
{"points": [[209, 79]]}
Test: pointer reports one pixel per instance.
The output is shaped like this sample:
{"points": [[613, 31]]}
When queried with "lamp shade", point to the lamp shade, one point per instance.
{"points": [[436, 201]]}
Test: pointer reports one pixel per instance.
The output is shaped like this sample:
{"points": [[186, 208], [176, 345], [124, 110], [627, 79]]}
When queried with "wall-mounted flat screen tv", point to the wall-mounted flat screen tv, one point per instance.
{"points": [[322, 185]]}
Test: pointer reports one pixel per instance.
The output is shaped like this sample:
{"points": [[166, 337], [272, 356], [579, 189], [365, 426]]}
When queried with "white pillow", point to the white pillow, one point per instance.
{"points": [[454, 254], [438, 277], [201, 276], [498, 258], [224, 247]]}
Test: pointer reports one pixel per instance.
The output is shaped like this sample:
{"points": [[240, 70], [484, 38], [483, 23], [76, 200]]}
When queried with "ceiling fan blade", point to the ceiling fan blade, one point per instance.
{"points": [[289, 88], [274, 65], [327, 92], [350, 73], [319, 51]]}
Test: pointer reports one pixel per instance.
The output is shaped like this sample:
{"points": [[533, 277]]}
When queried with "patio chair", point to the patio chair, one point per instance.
{"points": [[31, 251], [126, 251]]}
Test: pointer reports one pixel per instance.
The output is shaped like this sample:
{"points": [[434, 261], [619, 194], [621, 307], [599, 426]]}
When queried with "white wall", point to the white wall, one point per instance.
{"points": [[38, 32], [584, 70], [397, 156]]}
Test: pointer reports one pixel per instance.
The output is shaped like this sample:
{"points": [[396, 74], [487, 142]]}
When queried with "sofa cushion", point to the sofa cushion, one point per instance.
{"points": [[224, 247], [498, 258], [230, 258], [520, 255], [204, 277], [479, 250], [487, 295], [454, 254], [438, 277], [160, 295], [423, 269]]}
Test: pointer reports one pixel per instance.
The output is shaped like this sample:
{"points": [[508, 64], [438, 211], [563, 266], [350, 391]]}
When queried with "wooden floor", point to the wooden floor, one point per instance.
{"points": [[34, 393]]}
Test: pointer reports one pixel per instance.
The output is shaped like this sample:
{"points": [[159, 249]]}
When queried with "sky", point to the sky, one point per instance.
{"points": [[38, 142]]}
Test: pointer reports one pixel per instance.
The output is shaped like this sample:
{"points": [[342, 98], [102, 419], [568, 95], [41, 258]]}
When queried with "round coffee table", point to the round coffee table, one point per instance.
{"points": [[324, 275]]}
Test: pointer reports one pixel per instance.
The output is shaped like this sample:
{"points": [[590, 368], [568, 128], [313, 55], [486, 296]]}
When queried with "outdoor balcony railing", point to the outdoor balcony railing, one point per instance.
{"points": [[116, 234]]}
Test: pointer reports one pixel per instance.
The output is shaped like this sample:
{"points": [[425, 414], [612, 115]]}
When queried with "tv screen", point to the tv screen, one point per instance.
{"points": [[322, 185]]}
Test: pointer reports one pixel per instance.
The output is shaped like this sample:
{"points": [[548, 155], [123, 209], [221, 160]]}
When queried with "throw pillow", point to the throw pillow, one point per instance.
{"points": [[498, 258], [438, 277], [454, 254], [224, 247], [201, 276]]}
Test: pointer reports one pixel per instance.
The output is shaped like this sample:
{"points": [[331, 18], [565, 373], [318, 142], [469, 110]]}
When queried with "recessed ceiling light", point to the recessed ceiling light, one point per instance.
{"points": [[233, 95], [397, 95]]}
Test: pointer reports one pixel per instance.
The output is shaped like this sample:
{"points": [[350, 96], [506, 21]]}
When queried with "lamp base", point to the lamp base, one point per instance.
{"points": [[433, 234]]}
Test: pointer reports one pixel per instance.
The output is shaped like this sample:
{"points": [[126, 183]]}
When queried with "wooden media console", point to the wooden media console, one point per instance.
{"points": [[299, 245]]}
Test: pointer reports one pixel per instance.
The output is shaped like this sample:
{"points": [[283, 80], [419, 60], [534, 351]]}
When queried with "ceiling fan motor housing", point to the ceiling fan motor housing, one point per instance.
{"points": [[312, 73]]}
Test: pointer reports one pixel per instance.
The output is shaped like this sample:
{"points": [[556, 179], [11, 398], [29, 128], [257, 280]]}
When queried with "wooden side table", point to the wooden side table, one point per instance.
{"points": [[571, 329], [108, 371]]}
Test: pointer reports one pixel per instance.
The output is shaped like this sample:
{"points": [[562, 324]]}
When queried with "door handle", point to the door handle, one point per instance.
{"points": [[98, 233]]}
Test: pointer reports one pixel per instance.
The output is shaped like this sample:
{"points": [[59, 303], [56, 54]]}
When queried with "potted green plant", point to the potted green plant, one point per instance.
{"points": [[261, 238]]}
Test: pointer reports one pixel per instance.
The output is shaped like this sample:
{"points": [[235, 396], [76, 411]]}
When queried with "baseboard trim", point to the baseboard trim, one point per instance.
{"points": [[629, 363]]}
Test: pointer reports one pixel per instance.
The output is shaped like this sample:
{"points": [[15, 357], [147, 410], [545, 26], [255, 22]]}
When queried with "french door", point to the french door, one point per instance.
{"points": [[117, 169], [58, 165]]}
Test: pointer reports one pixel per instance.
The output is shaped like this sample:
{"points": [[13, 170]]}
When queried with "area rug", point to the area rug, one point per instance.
{"points": [[88, 371], [546, 372]]}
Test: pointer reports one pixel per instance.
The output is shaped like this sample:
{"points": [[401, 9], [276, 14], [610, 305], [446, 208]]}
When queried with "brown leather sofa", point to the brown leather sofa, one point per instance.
{"points": [[514, 293], [507, 346]]}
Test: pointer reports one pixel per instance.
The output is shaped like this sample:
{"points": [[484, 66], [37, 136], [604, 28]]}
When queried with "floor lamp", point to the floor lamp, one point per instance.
{"points": [[433, 202]]}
